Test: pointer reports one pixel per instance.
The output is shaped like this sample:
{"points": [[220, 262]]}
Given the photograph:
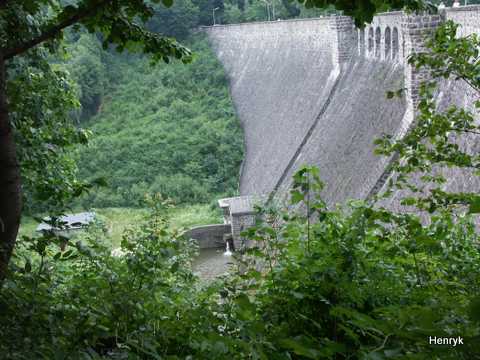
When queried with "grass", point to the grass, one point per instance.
{"points": [[117, 220]]}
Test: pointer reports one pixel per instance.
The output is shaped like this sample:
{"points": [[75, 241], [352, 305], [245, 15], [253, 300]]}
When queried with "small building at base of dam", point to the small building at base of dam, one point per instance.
{"points": [[240, 213]]}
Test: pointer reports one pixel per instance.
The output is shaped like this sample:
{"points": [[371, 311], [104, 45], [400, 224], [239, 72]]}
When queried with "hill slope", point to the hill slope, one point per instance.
{"points": [[164, 128]]}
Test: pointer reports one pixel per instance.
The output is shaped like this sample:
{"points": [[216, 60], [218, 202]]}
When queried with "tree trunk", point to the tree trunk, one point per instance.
{"points": [[10, 189]]}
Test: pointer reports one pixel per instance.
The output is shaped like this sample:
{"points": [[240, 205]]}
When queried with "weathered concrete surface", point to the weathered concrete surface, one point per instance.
{"points": [[342, 143], [283, 80], [209, 236], [280, 75]]}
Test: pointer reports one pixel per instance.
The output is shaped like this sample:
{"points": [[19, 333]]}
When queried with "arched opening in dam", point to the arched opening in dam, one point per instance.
{"points": [[388, 43], [395, 46], [378, 39], [370, 41]]}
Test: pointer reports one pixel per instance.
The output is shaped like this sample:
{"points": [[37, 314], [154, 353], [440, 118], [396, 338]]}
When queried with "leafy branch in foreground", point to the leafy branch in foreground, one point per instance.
{"points": [[441, 138]]}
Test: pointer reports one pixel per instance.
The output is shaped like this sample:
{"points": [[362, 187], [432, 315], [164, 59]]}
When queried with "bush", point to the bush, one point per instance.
{"points": [[87, 303], [360, 283]]}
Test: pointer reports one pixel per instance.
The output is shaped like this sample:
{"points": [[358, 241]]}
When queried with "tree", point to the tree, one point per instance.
{"points": [[41, 100], [176, 21], [362, 11], [88, 71], [35, 26]]}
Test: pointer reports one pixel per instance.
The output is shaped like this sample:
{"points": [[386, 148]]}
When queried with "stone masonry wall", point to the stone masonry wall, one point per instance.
{"points": [[416, 30], [344, 39], [467, 16], [453, 92], [240, 223]]}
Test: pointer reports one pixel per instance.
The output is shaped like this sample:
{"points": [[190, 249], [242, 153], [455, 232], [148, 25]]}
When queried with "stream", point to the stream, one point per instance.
{"points": [[211, 263]]}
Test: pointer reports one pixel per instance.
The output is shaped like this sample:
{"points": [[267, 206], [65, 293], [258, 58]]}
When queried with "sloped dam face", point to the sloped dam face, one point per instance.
{"points": [[314, 92]]}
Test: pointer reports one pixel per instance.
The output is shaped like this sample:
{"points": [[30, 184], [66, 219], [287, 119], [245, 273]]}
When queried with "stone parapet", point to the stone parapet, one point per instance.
{"points": [[416, 31], [344, 39]]}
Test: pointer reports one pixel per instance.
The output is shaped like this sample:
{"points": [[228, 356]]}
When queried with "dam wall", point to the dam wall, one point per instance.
{"points": [[209, 236], [341, 145], [468, 17], [313, 91], [281, 74]]}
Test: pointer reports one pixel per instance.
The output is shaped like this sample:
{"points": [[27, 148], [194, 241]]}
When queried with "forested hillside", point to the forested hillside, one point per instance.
{"points": [[167, 128]]}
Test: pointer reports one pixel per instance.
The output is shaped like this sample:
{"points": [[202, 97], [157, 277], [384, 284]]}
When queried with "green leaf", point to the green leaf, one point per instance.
{"points": [[474, 309], [302, 346], [100, 181], [28, 266], [175, 266], [246, 309], [296, 196], [474, 207]]}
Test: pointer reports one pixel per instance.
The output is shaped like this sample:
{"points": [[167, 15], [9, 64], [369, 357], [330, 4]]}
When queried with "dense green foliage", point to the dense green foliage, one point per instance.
{"points": [[356, 282], [169, 129], [59, 315], [42, 97], [360, 282], [40, 93]]}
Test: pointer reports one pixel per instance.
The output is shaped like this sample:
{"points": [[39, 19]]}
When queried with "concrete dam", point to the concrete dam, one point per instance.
{"points": [[313, 91]]}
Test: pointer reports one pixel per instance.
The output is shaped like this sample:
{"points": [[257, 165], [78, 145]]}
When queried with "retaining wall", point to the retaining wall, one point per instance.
{"points": [[209, 236]]}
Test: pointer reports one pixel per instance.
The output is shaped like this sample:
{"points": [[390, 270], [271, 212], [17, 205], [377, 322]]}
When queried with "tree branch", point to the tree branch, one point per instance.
{"points": [[466, 131], [54, 30], [468, 81]]}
